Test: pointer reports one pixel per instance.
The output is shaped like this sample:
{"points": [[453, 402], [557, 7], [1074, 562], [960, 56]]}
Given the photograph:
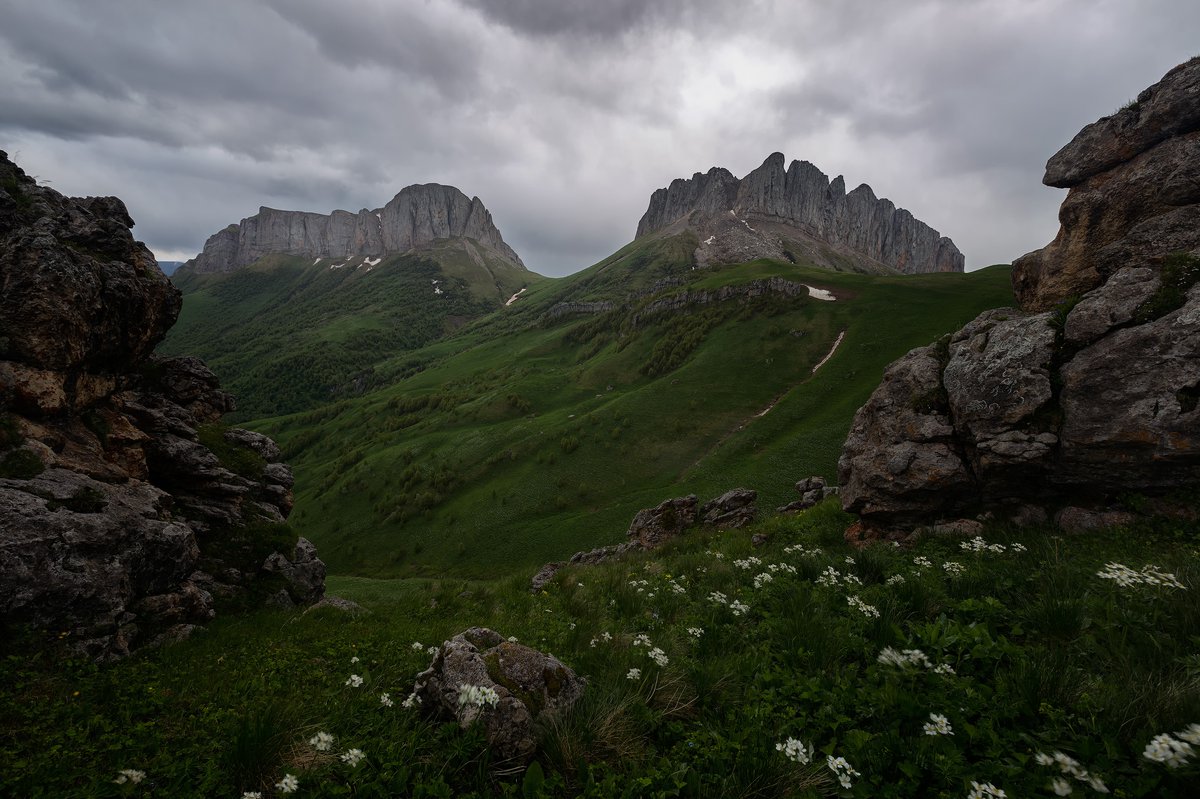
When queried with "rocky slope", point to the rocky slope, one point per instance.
{"points": [[1038, 412], [127, 511], [1134, 194], [417, 216], [797, 213]]}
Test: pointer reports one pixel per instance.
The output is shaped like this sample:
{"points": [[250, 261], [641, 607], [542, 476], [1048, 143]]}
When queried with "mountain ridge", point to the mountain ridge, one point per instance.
{"points": [[801, 207], [416, 216]]}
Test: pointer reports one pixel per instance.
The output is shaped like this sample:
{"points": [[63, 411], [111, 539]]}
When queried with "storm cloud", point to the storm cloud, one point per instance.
{"points": [[564, 115]]}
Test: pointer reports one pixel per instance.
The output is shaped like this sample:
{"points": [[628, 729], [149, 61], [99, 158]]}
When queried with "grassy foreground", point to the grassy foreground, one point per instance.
{"points": [[1024, 661]]}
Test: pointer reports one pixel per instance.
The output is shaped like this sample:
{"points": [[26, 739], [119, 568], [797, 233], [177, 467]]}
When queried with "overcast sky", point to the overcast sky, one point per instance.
{"points": [[564, 115]]}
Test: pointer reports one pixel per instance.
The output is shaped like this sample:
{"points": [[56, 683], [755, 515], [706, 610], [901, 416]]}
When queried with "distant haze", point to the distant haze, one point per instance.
{"points": [[564, 115]]}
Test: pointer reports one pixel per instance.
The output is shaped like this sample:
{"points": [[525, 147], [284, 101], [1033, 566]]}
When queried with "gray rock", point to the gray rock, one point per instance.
{"points": [[1110, 306], [532, 687], [419, 215], [1079, 520], [304, 572], [735, 508], [958, 528], [652, 526], [544, 576], [813, 490], [770, 211], [339, 604]]}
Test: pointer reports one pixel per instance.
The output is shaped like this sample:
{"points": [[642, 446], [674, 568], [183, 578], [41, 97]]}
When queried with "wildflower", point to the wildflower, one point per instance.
{"points": [[412, 701], [841, 769], [512, 639], [431, 651], [354, 681], [417, 646], [634, 674], [658, 656], [943, 668], [1097, 785], [762, 579], [953, 568], [131, 775], [746, 563], [896, 579], [922, 562], [985, 791], [478, 695], [677, 588], [781, 567], [252, 795], [799, 549], [1018, 548], [719, 598], [641, 639], [1043, 759], [795, 750], [592, 643], [870, 611], [352, 757], [289, 784], [386, 700], [354, 659], [1166, 749], [1060, 787], [1191, 734], [848, 560], [695, 632], [907, 657], [322, 742], [937, 725], [738, 608], [830, 576], [1126, 577]]}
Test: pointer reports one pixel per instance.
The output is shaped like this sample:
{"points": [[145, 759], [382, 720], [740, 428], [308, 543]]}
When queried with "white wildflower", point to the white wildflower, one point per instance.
{"points": [[605, 636], [289, 784], [417, 646], [922, 562], [746, 563], [1043, 759], [799, 549], [1061, 787], [252, 795], [896, 579], [870, 611], [841, 769], [762, 579], [354, 681], [953, 568], [695, 632], [592, 643], [1126, 577], [322, 742], [431, 651], [906, 657], [985, 791], [658, 656], [1167, 749], [411, 701], [386, 700], [738, 608], [719, 598], [1191, 734], [641, 639], [352, 757], [512, 639], [1018, 548], [634, 674], [795, 750], [943, 668], [848, 560], [937, 725], [130, 775], [354, 659], [478, 695]]}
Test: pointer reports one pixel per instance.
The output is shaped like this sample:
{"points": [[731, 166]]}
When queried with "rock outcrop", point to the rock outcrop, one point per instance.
{"points": [[1134, 193], [735, 508], [417, 216], [1057, 414], [793, 214], [652, 526], [127, 511], [477, 677]]}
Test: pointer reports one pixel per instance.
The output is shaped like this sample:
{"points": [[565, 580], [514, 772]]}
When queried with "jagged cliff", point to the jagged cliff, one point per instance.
{"points": [[417, 216], [798, 212], [127, 511], [1034, 412]]}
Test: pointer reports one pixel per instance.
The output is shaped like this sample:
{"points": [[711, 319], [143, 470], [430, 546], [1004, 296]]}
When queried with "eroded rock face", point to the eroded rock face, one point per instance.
{"points": [[418, 215], [652, 526], [1134, 180], [735, 508], [120, 526], [530, 687], [774, 213]]}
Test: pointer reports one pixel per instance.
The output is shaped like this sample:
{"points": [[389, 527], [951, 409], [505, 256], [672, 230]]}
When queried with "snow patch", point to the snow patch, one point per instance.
{"points": [[336, 266], [747, 224], [832, 350], [316, 262], [710, 239], [820, 294], [371, 262], [513, 298]]}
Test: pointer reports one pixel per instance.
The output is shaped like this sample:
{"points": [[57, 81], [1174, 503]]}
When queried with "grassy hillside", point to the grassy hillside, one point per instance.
{"points": [[1010, 662], [526, 437], [286, 334]]}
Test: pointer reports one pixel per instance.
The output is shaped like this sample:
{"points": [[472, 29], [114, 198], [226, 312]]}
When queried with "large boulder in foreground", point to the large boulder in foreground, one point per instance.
{"points": [[479, 677], [128, 512], [1134, 194]]}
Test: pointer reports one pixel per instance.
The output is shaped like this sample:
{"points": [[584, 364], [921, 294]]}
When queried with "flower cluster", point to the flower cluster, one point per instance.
{"points": [[833, 577], [896, 579], [478, 695], [937, 725], [841, 769], [762, 579], [354, 681], [795, 750], [953, 568], [776, 568], [746, 563], [985, 791], [695, 632], [417, 646], [386, 700], [1173, 750], [870, 611], [412, 701], [977, 544], [130, 775], [289, 784], [1070, 767], [1126, 577], [322, 742], [352, 757], [922, 562], [634, 674], [911, 657], [658, 656], [799, 549], [738, 608]]}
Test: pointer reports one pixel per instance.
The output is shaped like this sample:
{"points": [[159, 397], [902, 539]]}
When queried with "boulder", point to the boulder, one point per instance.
{"points": [[530, 687], [812, 491], [734, 508], [652, 526]]}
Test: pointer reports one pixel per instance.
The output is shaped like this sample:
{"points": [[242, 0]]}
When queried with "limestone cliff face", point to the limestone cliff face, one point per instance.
{"points": [[1039, 412], [417, 216], [127, 512], [770, 211], [1134, 193]]}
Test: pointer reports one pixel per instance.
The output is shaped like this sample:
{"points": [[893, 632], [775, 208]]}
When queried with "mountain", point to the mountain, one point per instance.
{"points": [[416, 217], [293, 310], [168, 267], [797, 215]]}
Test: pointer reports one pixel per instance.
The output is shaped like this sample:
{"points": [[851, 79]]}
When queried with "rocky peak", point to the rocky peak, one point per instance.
{"points": [[127, 511], [1134, 195], [418, 215], [773, 212]]}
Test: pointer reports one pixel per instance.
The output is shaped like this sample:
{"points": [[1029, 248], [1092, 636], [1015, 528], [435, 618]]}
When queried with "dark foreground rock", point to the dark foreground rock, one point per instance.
{"points": [[529, 687], [128, 513]]}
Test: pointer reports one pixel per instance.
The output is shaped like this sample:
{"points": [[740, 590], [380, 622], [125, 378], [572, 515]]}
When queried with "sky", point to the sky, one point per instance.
{"points": [[563, 116]]}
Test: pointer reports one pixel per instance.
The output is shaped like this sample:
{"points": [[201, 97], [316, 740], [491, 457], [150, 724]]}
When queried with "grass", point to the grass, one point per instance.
{"points": [[518, 441], [1022, 651]]}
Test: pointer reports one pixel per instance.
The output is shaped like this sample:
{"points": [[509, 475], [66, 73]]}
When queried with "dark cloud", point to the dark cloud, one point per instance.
{"points": [[563, 115]]}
